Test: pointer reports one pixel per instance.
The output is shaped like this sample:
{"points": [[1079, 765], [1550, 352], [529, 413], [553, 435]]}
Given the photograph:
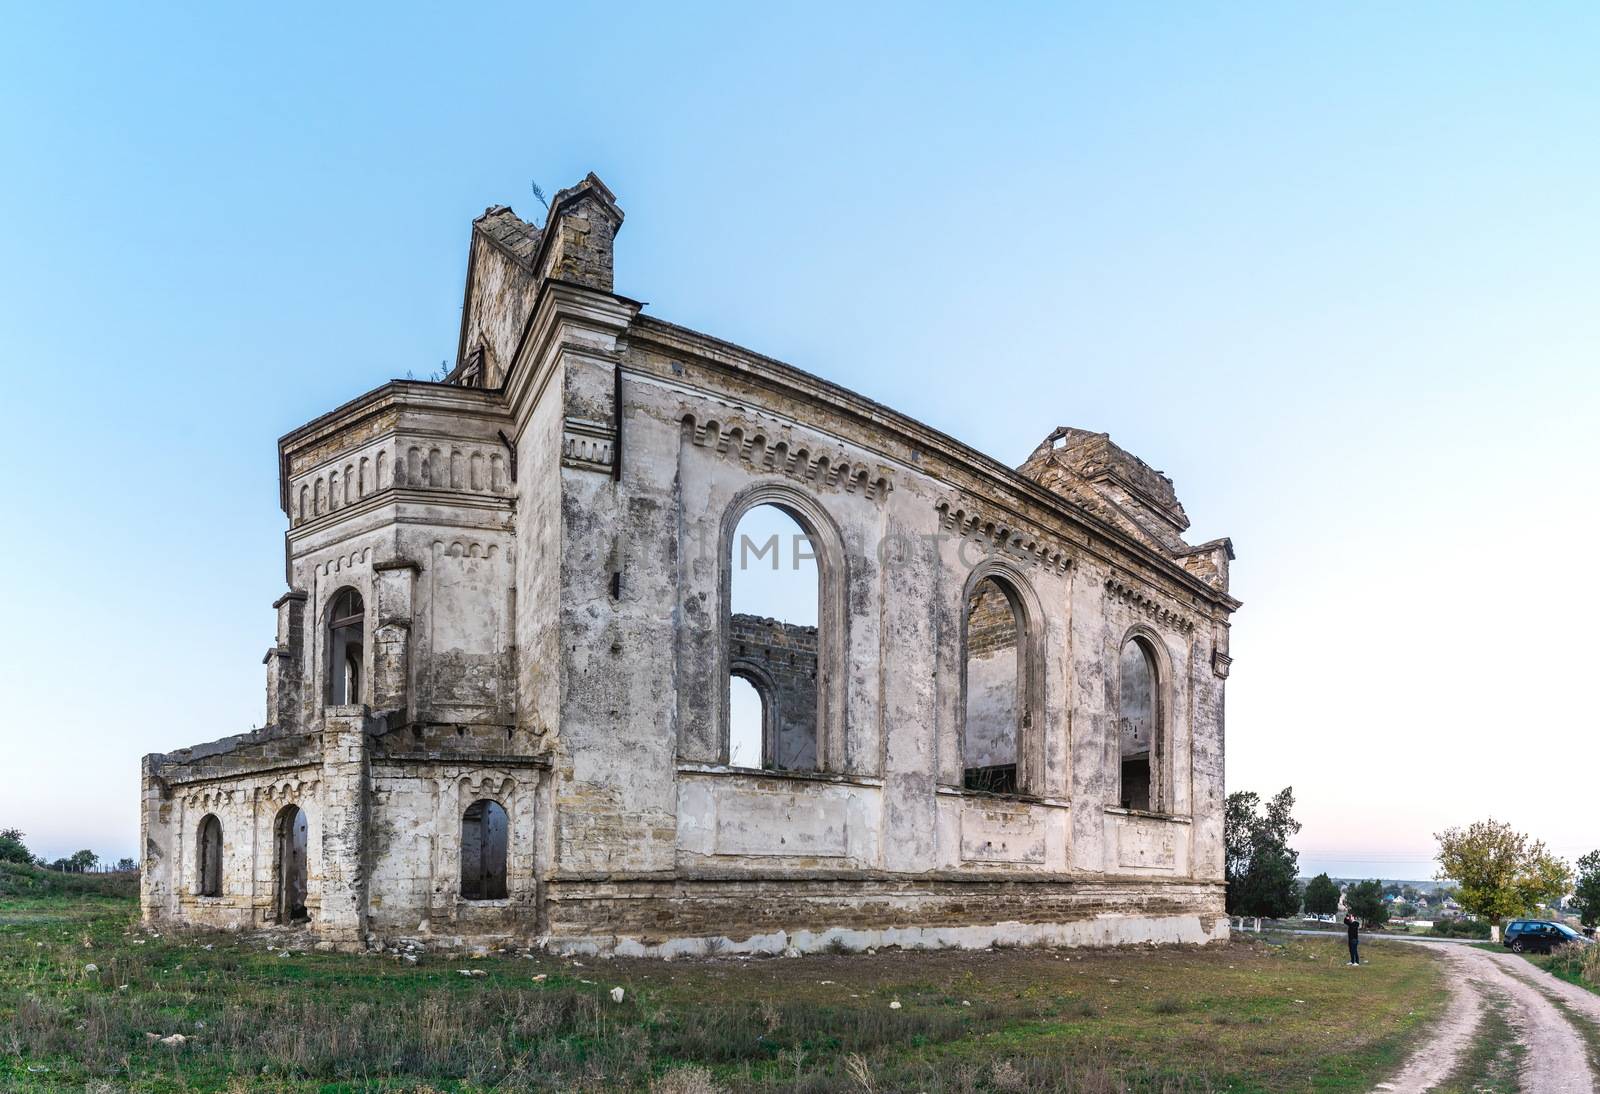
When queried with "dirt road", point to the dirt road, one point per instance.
{"points": [[1554, 1022]]}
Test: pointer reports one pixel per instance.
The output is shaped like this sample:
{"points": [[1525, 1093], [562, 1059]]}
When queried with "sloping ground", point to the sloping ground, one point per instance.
{"points": [[19, 881], [1243, 1017], [1551, 1029]]}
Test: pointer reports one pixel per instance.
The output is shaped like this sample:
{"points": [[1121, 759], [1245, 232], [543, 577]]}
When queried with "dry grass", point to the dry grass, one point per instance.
{"points": [[1243, 1017]]}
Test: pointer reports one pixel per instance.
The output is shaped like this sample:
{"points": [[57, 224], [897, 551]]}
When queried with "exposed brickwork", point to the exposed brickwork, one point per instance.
{"points": [[991, 622]]}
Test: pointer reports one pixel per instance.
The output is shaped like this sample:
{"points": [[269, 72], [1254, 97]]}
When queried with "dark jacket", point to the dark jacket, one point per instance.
{"points": [[1351, 926]]}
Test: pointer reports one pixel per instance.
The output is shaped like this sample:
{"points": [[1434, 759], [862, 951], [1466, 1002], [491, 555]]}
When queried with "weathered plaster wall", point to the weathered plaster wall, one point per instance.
{"points": [[545, 565], [500, 291], [991, 726], [248, 805], [416, 847]]}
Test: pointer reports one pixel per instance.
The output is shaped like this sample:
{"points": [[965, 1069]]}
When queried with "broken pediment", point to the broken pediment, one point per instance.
{"points": [[1110, 481]]}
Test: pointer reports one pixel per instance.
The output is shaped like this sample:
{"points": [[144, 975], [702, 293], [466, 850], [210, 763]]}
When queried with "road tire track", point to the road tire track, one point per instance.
{"points": [[1557, 1057]]}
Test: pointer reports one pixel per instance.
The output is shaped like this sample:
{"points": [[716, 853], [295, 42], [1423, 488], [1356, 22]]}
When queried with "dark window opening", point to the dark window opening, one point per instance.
{"points": [[1138, 721], [290, 861], [483, 851], [346, 620], [210, 856], [999, 779]]}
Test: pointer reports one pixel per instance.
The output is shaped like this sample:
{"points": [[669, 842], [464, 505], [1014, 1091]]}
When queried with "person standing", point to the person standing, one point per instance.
{"points": [[1352, 930]]}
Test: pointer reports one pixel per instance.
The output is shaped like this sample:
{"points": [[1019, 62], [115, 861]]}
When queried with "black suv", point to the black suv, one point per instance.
{"points": [[1539, 935]]}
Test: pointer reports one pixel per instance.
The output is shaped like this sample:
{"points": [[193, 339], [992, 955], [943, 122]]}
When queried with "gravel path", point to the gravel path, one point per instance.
{"points": [[1436, 1058], [1556, 1061]]}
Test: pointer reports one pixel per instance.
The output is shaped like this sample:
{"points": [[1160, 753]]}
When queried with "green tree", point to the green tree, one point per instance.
{"points": [[1586, 898], [12, 849], [1499, 873], [1322, 895], [1262, 869], [1365, 900]]}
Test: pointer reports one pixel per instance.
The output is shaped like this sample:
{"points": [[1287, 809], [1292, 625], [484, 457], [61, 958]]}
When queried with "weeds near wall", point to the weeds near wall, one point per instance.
{"points": [[87, 997]]}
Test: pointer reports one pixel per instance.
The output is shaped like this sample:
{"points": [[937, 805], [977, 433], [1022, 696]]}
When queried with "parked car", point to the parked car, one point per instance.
{"points": [[1540, 936]]}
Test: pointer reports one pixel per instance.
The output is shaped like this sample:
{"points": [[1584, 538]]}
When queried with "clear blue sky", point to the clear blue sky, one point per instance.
{"points": [[1334, 269]]}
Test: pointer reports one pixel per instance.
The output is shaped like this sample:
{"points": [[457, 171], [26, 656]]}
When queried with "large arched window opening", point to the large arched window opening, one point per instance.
{"points": [[210, 860], [1139, 715], [483, 851], [346, 622], [289, 865], [772, 642], [996, 692]]}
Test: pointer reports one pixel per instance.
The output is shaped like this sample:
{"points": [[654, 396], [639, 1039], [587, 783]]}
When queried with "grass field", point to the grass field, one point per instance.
{"points": [[1252, 1016]]}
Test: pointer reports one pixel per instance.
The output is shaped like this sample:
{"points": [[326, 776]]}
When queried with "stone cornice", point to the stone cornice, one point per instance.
{"points": [[395, 396], [969, 520], [772, 447], [876, 423], [1149, 605], [565, 318]]}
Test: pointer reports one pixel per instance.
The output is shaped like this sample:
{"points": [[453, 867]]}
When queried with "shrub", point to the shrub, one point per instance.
{"points": [[12, 849], [1576, 961], [1460, 928]]}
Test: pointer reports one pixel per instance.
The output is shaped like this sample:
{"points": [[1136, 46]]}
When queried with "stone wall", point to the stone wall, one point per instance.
{"points": [[543, 548], [781, 661]]}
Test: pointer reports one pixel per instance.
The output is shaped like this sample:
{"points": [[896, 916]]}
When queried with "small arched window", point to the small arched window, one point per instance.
{"points": [[210, 861], [346, 619], [750, 717], [1139, 742], [483, 851]]}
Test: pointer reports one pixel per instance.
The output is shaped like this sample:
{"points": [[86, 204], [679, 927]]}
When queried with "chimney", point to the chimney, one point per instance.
{"points": [[579, 234]]}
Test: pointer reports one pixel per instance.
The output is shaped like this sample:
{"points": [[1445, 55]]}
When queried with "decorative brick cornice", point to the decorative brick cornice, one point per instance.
{"points": [[588, 445], [768, 448], [1144, 602], [971, 522]]}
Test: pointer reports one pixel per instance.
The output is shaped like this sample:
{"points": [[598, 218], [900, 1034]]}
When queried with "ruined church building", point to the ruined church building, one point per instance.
{"points": [[513, 698]]}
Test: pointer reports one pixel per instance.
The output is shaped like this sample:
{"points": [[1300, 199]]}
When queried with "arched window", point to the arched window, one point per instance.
{"points": [[996, 693], [1138, 727], [750, 717], [289, 865], [772, 636], [345, 632], [483, 851], [210, 863]]}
